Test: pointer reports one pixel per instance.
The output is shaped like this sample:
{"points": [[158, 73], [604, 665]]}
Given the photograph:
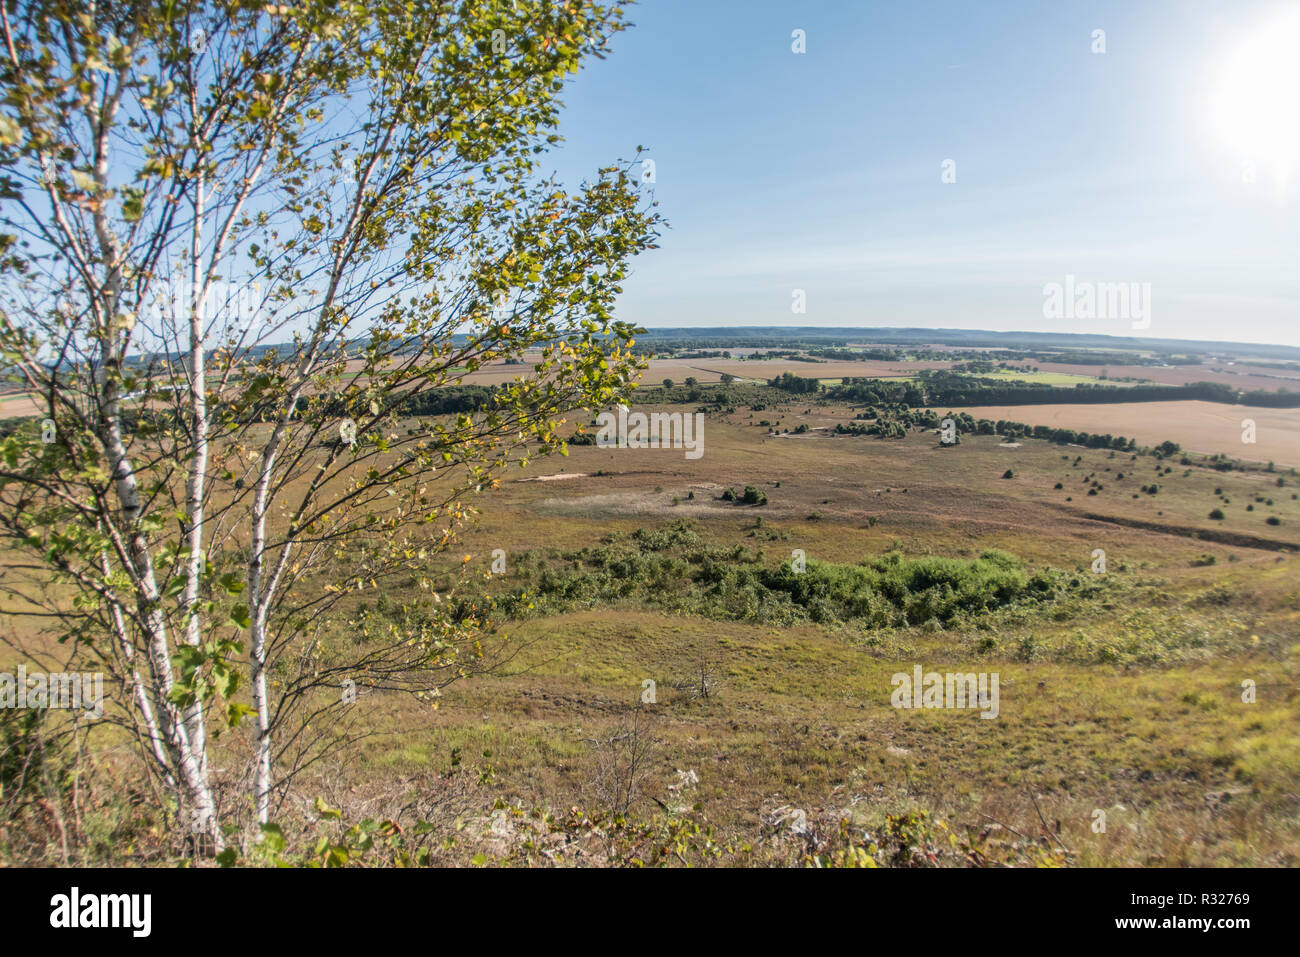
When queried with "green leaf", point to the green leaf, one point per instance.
{"points": [[324, 810], [133, 206], [181, 696], [226, 680], [240, 616], [85, 182], [273, 837], [231, 584], [10, 132]]}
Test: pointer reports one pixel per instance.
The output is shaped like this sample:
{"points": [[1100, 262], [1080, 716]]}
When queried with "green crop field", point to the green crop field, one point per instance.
{"points": [[1042, 378]]}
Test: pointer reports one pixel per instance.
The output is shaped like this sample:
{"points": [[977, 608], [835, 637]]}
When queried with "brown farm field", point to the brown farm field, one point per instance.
{"points": [[1239, 376], [1210, 428], [712, 370], [15, 405], [709, 370]]}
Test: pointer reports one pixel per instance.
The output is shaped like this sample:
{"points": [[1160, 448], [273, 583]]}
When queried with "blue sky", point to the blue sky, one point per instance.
{"points": [[822, 171]]}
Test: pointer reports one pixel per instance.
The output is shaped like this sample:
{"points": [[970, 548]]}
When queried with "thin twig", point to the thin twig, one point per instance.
{"points": [[1043, 821]]}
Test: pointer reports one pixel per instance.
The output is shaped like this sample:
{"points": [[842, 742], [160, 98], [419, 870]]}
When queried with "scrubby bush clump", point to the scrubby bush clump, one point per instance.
{"points": [[673, 568]]}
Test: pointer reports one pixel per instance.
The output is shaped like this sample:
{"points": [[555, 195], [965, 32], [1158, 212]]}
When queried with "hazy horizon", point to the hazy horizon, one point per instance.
{"points": [[1122, 341]]}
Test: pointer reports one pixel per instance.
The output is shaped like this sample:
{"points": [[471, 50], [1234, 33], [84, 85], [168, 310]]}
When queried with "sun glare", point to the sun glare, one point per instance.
{"points": [[1256, 95]]}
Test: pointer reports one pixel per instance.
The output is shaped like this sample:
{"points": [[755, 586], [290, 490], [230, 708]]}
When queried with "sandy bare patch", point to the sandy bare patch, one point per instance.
{"points": [[557, 477]]}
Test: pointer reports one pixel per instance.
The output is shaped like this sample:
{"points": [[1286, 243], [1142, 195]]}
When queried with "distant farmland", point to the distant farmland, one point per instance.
{"points": [[1243, 377], [1207, 427]]}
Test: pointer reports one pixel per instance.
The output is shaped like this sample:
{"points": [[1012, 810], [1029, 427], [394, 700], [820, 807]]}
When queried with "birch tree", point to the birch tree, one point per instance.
{"points": [[246, 248]]}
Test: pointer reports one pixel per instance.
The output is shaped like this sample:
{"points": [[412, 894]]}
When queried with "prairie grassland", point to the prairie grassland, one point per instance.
{"points": [[1120, 691], [1128, 702]]}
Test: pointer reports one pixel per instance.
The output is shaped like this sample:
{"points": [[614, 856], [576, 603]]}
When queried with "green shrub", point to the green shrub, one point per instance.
{"points": [[673, 569]]}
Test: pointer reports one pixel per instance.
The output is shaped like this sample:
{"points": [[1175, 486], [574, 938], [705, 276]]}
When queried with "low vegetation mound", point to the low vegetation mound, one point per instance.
{"points": [[674, 569]]}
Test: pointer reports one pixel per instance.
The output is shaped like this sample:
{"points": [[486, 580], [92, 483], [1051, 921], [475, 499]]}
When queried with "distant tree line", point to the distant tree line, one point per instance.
{"points": [[948, 389], [894, 424]]}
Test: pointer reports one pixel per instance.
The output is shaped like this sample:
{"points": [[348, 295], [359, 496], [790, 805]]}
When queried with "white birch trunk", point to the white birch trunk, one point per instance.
{"points": [[198, 468], [189, 768]]}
